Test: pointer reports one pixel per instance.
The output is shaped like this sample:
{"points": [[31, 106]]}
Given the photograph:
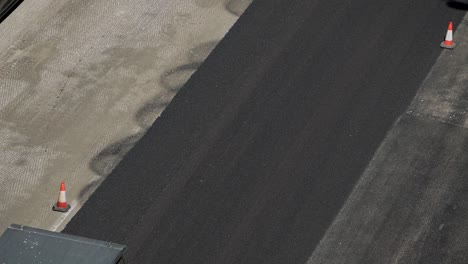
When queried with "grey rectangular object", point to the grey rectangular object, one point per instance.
{"points": [[23, 245]]}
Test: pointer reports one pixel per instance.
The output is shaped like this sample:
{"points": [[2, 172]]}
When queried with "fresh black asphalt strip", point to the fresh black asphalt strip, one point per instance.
{"points": [[256, 154]]}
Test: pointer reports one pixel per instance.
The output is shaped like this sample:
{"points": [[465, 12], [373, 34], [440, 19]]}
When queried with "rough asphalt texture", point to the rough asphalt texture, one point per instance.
{"points": [[255, 156], [411, 204]]}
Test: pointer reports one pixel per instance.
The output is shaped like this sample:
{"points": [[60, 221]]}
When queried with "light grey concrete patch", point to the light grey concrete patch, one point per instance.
{"points": [[444, 95], [80, 82], [410, 205]]}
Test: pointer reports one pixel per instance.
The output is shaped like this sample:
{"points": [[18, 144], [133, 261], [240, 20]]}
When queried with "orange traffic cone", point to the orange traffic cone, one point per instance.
{"points": [[448, 43], [61, 205]]}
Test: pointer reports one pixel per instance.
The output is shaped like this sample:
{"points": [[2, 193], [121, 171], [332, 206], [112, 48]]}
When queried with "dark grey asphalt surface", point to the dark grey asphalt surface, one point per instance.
{"points": [[254, 157], [411, 204]]}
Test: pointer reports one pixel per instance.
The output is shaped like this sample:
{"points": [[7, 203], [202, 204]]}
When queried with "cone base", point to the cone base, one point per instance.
{"points": [[442, 45], [61, 209]]}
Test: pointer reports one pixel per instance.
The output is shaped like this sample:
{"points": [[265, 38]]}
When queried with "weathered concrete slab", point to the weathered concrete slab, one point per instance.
{"points": [[80, 82]]}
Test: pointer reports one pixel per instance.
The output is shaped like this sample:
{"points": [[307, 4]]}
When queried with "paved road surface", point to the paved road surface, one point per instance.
{"points": [[255, 156], [411, 203]]}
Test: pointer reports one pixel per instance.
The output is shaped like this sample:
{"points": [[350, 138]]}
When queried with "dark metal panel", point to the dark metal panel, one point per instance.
{"points": [[21, 244]]}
